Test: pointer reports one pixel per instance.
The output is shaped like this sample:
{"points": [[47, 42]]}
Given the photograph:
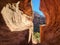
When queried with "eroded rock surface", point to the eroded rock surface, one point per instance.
{"points": [[51, 32], [8, 37]]}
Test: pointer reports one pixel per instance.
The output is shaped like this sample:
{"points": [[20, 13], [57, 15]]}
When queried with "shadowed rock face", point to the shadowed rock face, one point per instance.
{"points": [[13, 38], [25, 6], [50, 34]]}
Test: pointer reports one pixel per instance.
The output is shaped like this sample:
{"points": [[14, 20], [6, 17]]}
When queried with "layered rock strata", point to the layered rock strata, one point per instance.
{"points": [[50, 33]]}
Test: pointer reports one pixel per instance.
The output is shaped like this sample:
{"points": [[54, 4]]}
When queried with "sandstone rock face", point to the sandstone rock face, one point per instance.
{"points": [[8, 37], [13, 38], [25, 6], [50, 34]]}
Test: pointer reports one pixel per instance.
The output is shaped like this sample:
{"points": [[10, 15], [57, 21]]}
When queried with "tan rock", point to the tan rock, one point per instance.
{"points": [[10, 34]]}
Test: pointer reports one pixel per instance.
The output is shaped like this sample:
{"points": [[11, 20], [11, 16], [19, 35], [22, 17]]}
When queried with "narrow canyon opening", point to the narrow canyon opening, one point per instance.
{"points": [[39, 19]]}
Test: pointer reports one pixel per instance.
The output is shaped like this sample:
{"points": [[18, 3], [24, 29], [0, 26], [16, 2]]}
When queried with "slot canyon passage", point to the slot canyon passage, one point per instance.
{"points": [[50, 33]]}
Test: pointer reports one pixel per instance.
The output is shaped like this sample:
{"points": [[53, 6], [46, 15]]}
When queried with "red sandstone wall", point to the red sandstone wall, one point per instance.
{"points": [[50, 34]]}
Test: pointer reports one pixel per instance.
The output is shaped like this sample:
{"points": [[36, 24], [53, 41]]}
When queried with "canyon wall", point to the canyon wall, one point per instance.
{"points": [[7, 37], [50, 33]]}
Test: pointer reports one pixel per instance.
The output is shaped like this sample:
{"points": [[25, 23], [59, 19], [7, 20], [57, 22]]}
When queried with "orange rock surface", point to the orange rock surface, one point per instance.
{"points": [[25, 6], [50, 33]]}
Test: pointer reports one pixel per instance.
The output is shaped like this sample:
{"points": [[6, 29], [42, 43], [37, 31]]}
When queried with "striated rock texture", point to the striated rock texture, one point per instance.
{"points": [[50, 33], [25, 6], [9, 15]]}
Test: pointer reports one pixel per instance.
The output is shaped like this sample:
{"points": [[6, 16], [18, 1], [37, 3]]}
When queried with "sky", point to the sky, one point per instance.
{"points": [[36, 5]]}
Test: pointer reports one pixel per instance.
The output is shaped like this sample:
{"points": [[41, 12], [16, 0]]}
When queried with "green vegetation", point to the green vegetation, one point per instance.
{"points": [[36, 36]]}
